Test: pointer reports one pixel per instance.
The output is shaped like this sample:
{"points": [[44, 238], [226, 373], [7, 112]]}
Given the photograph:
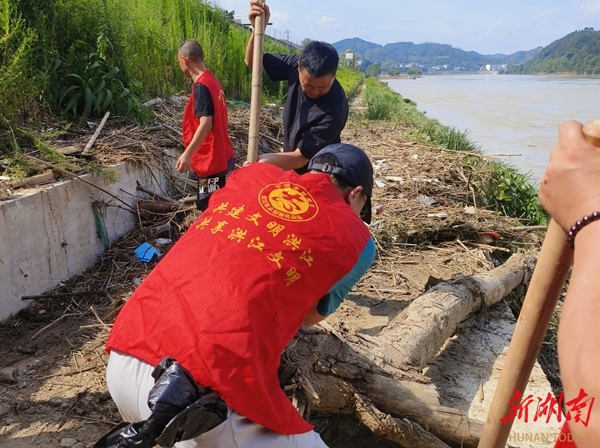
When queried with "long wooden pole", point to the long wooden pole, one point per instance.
{"points": [[255, 98], [540, 301]]}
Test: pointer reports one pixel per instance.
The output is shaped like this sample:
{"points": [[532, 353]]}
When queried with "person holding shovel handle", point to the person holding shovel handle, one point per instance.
{"points": [[570, 192], [316, 108]]}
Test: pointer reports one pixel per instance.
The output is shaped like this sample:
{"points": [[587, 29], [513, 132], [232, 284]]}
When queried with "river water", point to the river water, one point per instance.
{"points": [[516, 116]]}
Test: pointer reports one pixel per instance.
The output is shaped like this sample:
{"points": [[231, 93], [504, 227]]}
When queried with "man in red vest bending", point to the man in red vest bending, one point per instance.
{"points": [[208, 150], [273, 250]]}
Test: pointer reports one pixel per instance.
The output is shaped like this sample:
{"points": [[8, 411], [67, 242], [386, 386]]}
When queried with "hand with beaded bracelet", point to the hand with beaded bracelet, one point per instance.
{"points": [[570, 187]]}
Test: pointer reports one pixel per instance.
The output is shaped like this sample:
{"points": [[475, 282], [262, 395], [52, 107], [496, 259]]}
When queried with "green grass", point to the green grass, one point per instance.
{"points": [[381, 102], [351, 80], [18, 80], [83, 57]]}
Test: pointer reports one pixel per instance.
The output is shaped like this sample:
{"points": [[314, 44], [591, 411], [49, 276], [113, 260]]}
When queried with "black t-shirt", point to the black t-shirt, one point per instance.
{"points": [[203, 103], [308, 124]]}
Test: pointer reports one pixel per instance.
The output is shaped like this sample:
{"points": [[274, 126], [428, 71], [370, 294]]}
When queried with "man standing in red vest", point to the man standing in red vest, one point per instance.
{"points": [[273, 250], [208, 150]]}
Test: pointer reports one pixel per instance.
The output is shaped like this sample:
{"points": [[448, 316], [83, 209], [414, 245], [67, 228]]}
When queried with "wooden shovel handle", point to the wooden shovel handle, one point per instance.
{"points": [[255, 96], [544, 289]]}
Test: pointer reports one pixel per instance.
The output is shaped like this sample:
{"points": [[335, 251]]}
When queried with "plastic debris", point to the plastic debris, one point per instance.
{"points": [[153, 102], [487, 237], [395, 179], [464, 226], [162, 241], [427, 201], [145, 252], [438, 215], [378, 164], [426, 180]]}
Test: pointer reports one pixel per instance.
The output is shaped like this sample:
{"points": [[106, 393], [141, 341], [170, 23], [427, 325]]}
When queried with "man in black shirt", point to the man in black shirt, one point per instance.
{"points": [[316, 108]]}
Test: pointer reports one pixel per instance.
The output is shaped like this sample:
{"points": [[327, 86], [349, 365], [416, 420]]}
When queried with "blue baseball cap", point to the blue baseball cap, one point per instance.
{"points": [[353, 166]]}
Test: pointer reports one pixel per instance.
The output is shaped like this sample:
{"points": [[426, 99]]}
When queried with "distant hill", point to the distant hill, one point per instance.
{"points": [[429, 56], [521, 57], [356, 44], [576, 53]]}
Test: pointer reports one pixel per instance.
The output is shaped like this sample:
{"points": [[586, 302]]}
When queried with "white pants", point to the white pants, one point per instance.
{"points": [[129, 381]]}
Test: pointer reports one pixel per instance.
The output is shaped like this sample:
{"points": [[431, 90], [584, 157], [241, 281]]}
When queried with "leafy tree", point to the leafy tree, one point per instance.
{"points": [[373, 70], [414, 72]]}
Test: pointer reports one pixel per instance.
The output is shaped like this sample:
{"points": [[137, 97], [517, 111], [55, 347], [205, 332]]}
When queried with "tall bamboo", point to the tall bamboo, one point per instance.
{"points": [[255, 97]]}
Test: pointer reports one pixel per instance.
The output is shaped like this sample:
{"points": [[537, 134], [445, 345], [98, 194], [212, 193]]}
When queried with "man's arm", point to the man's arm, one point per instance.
{"points": [[579, 335], [285, 160], [336, 295], [569, 190], [256, 9], [313, 317], [184, 162]]}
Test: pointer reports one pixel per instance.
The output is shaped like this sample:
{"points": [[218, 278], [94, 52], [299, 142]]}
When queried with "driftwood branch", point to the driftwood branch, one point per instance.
{"points": [[46, 176], [96, 134], [159, 207], [152, 193], [398, 430], [172, 129]]}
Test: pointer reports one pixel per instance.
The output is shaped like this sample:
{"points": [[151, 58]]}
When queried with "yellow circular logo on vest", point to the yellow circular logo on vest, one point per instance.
{"points": [[288, 201]]}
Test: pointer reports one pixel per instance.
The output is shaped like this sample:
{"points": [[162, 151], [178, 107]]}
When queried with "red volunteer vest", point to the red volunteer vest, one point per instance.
{"points": [[212, 156], [233, 291]]}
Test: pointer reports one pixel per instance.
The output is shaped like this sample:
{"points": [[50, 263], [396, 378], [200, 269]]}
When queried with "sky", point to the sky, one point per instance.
{"points": [[484, 26]]}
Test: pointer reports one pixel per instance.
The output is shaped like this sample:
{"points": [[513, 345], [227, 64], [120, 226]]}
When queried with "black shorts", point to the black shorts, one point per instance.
{"points": [[208, 185]]}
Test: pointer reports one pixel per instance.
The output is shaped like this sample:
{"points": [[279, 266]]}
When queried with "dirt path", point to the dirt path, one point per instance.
{"points": [[357, 103]]}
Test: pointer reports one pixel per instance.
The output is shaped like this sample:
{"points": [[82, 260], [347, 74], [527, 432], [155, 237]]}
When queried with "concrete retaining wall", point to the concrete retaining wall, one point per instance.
{"points": [[50, 234]]}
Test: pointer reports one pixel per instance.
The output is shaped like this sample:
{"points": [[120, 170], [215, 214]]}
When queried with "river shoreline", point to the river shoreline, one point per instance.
{"points": [[517, 116]]}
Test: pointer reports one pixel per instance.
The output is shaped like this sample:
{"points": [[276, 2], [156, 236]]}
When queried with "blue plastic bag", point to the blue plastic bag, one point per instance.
{"points": [[146, 252]]}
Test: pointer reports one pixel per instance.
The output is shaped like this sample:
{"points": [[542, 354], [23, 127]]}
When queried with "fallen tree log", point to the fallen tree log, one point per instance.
{"points": [[378, 379], [421, 329]]}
